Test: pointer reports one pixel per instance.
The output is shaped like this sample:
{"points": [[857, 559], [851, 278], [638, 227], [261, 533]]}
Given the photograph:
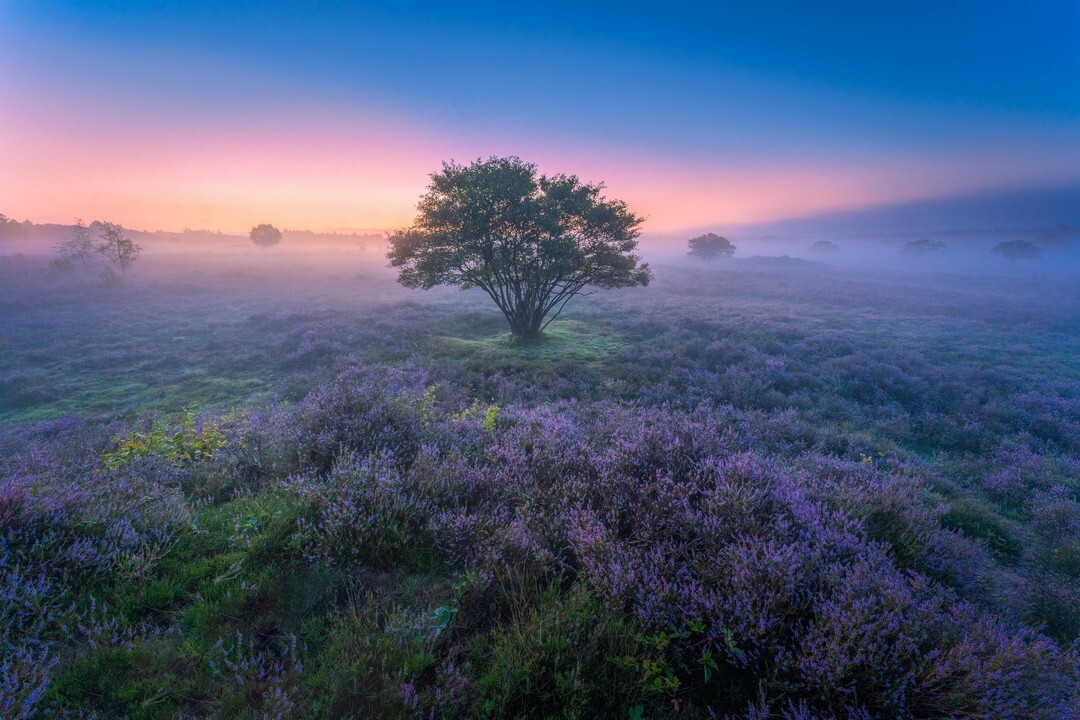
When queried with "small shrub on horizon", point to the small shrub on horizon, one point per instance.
{"points": [[1016, 250], [710, 246], [922, 247]]}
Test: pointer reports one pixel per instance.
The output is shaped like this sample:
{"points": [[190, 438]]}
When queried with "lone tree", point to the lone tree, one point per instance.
{"points": [[1016, 250], [922, 247], [710, 246], [265, 235], [118, 250], [79, 247], [531, 242]]}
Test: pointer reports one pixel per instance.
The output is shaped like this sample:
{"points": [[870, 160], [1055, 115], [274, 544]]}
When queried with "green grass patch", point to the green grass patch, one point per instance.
{"points": [[977, 520], [154, 679], [1064, 558], [558, 654], [564, 342]]}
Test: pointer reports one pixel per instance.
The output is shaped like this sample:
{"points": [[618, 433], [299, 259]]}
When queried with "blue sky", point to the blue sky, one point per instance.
{"points": [[715, 112]]}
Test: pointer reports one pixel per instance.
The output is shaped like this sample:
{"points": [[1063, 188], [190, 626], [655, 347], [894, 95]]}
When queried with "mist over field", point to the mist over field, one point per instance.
{"points": [[577, 360]]}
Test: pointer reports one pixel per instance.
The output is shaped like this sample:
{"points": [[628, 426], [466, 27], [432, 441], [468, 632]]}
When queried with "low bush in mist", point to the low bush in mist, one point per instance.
{"points": [[921, 247]]}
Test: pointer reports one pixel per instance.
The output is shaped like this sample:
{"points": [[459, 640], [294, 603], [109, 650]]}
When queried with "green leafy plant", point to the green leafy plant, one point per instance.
{"points": [[428, 401], [182, 444], [439, 620], [490, 414]]}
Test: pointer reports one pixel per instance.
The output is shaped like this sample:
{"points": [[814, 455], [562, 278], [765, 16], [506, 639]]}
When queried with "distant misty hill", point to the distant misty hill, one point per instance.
{"points": [[1050, 206]]}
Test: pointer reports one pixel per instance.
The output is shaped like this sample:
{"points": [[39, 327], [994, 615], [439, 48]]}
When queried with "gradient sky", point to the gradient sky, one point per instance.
{"points": [[331, 115]]}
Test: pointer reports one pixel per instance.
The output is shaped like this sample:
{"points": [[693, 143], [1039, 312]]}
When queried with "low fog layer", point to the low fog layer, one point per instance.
{"points": [[207, 282], [939, 251]]}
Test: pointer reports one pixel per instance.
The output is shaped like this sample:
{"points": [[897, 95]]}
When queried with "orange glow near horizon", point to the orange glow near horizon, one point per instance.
{"points": [[349, 171], [220, 177]]}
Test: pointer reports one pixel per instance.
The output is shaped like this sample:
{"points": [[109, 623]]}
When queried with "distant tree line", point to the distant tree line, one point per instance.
{"points": [[10, 228]]}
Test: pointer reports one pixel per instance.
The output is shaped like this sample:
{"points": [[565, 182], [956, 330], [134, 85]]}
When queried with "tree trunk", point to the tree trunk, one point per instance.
{"points": [[525, 329]]}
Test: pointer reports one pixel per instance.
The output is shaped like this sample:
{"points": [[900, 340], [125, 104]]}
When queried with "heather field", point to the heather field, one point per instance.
{"points": [[271, 486]]}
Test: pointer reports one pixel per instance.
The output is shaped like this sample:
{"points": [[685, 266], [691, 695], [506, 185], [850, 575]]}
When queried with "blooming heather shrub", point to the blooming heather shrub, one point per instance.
{"points": [[771, 556], [67, 525], [263, 450], [29, 624], [448, 695], [1055, 516], [984, 667], [895, 508], [1051, 418], [25, 674], [356, 415], [868, 638], [507, 507], [259, 450], [94, 626], [738, 559], [695, 551], [109, 521], [1016, 472], [54, 444], [367, 511]]}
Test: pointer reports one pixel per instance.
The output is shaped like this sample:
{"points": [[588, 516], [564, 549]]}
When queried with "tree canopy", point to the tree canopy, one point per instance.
{"points": [[531, 242], [265, 235], [710, 246]]}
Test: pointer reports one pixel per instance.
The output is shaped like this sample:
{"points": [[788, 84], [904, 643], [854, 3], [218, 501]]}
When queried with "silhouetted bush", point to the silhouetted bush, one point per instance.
{"points": [[1016, 250]]}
